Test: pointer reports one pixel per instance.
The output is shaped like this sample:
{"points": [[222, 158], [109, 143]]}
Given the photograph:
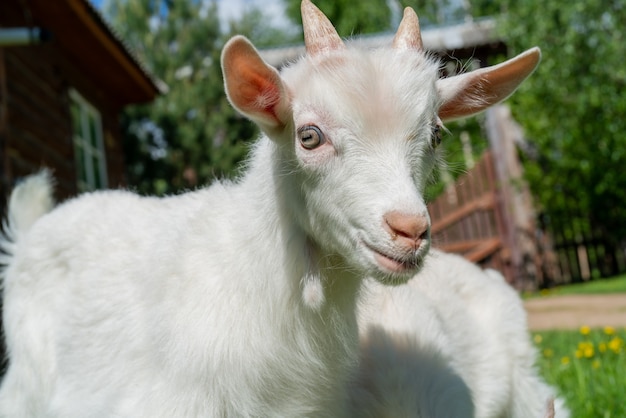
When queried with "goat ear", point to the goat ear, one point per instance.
{"points": [[253, 87], [466, 94]]}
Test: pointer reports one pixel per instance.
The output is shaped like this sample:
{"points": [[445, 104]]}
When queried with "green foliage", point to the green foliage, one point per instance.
{"points": [[190, 134], [254, 25], [371, 16], [436, 12], [349, 17], [572, 109], [587, 367]]}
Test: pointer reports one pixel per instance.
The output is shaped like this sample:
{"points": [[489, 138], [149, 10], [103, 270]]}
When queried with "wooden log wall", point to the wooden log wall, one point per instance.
{"points": [[35, 119]]}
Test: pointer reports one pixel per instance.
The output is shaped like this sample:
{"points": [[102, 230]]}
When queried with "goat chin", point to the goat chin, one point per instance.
{"points": [[240, 299]]}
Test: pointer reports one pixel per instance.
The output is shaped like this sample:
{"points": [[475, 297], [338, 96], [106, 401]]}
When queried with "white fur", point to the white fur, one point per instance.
{"points": [[26, 204], [453, 341], [195, 305], [240, 299]]}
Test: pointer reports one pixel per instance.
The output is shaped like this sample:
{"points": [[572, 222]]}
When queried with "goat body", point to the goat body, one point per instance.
{"points": [[239, 299], [141, 307], [451, 342]]}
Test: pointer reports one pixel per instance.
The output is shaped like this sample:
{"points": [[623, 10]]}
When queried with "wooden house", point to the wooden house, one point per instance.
{"points": [[64, 78]]}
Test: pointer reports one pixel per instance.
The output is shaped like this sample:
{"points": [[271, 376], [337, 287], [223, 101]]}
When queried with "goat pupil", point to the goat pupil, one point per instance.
{"points": [[310, 137]]}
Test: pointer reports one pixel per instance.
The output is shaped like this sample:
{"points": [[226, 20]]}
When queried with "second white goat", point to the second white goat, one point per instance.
{"points": [[451, 342]]}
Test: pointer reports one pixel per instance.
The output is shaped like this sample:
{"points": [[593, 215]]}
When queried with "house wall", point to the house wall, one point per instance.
{"points": [[35, 125], [38, 131]]}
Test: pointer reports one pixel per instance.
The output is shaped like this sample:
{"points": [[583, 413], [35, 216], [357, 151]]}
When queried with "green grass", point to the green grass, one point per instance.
{"points": [[598, 286], [588, 367]]}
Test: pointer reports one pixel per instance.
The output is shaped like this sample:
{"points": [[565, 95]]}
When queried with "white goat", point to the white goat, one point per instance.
{"points": [[239, 299], [454, 342]]}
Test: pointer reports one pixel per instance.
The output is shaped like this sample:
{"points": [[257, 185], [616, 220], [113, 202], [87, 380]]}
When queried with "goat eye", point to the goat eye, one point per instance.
{"points": [[310, 137], [436, 136]]}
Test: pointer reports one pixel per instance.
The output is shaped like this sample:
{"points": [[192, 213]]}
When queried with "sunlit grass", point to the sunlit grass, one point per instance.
{"points": [[588, 367], [598, 286]]}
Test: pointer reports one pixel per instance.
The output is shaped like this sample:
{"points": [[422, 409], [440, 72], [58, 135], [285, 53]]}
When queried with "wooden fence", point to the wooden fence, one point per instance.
{"points": [[582, 251], [488, 217], [467, 219]]}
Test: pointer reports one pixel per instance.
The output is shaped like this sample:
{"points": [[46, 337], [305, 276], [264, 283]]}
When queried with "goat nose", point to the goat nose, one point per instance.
{"points": [[407, 229]]}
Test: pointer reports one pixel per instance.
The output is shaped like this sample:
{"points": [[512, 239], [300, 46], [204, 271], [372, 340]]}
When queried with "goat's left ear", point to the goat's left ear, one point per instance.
{"points": [[253, 87], [466, 94]]}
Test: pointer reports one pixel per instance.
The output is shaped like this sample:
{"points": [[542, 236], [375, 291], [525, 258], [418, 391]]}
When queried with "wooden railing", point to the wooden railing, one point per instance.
{"points": [[467, 219]]}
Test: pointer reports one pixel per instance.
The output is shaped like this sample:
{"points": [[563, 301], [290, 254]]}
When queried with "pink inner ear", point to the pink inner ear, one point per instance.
{"points": [[467, 102], [253, 87], [473, 92], [257, 94]]}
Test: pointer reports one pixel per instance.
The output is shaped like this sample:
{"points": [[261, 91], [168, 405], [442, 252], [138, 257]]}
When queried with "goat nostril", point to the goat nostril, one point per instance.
{"points": [[409, 227]]}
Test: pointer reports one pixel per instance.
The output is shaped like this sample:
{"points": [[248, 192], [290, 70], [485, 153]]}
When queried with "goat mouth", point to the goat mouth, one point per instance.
{"points": [[393, 264]]}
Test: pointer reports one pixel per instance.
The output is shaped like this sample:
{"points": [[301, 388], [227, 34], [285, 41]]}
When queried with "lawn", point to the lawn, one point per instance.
{"points": [[588, 367], [598, 286], [611, 285]]}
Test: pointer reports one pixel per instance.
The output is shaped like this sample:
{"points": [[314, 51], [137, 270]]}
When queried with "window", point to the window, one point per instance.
{"points": [[88, 144]]}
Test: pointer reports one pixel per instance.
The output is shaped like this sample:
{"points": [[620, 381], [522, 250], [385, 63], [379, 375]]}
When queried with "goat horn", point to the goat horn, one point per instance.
{"points": [[408, 35], [319, 34]]}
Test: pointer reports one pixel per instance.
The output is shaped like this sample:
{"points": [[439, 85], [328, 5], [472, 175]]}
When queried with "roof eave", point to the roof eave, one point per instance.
{"points": [[463, 35]]}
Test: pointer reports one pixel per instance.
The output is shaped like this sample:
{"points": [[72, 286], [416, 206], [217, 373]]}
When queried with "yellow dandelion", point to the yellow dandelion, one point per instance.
{"points": [[602, 347], [595, 364], [548, 353], [608, 330], [585, 349], [565, 360], [616, 344], [585, 330], [537, 339]]}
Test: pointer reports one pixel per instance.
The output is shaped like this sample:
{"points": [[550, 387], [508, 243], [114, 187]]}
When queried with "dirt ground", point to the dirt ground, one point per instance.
{"points": [[572, 312]]}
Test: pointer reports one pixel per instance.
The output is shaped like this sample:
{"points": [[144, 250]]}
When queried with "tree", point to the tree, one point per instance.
{"points": [[349, 17], [437, 12], [190, 134], [371, 16], [573, 110]]}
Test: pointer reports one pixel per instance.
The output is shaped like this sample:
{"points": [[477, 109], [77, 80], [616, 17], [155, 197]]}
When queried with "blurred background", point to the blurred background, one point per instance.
{"points": [[128, 93]]}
